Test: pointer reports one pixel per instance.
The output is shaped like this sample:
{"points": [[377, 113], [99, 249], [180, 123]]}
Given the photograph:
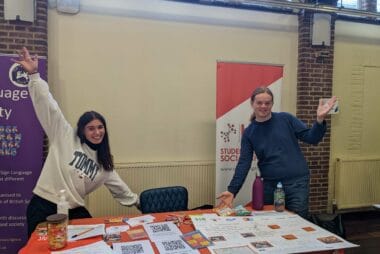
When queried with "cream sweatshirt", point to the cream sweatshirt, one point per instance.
{"points": [[70, 165]]}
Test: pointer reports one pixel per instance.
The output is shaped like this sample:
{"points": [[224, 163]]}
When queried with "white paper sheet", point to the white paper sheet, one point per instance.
{"points": [[160, 230], [272, 233], [140, 220], [99, 247], [116, 229], [232, 249], [140, 247], [173, 245], [77, 232]]}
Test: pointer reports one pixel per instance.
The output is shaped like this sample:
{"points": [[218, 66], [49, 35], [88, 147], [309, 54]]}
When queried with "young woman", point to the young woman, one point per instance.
{"points": [[273, 137], [79, 161]]}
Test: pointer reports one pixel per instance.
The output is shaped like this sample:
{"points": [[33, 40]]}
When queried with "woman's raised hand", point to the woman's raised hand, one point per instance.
{"points": [[29, 63]]}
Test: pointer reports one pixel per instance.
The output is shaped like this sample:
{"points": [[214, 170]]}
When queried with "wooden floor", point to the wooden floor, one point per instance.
{"points": [[363, 228]]}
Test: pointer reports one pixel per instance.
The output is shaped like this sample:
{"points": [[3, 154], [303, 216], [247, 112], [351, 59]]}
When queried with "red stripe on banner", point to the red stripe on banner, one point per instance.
{"points": [[235, 83]]}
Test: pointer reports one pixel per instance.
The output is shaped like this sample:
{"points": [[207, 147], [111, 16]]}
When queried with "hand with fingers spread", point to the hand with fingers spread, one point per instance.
{"points": [[29, 63], [324, 108], [226, 199]]}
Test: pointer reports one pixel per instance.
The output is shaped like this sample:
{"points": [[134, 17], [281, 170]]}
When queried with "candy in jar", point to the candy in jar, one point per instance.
{"points": [[57, 231]]}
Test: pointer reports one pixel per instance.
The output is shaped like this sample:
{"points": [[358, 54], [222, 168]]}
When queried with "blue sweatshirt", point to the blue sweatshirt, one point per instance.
{"points": [[275, 143]]}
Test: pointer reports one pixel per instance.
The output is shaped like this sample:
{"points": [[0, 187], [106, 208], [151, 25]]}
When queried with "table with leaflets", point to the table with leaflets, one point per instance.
{"points": [[196, 231]]}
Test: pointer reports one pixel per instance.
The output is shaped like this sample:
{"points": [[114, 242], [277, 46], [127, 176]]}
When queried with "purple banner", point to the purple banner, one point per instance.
{"points": [[21, 149]]}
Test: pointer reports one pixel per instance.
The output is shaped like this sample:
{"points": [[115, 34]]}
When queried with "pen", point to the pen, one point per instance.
{"points": [[83, 232]]}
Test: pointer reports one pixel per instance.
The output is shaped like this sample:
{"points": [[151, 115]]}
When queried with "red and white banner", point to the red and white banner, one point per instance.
{"points": [[235, 84]]}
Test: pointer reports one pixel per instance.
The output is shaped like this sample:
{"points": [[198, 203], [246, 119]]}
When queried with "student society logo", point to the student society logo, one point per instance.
{"points": [[226, 135], [18, 76]]}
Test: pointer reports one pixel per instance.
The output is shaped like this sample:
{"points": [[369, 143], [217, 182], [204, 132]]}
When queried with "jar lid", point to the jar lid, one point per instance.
{"points": [[56, 218]]}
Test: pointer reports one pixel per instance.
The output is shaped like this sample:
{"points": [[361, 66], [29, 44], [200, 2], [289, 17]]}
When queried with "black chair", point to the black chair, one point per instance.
{"points": [[164, 199]]}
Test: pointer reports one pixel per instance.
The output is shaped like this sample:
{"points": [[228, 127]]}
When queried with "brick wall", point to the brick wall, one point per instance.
{"points": [[16, 34], [314, 81]]}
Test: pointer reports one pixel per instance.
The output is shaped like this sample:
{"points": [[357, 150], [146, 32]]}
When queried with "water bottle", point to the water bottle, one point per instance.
{"points": [[258, 193], [63, 205], [279, 198]]}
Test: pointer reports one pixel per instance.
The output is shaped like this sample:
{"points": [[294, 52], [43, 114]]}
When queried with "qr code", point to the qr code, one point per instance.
{"points": [[132, 249], [159, 228], [173, 245]]}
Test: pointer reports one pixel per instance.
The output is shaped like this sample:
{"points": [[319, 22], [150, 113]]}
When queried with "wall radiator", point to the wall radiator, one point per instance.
{"points": [[357, 183], [197, 176]]}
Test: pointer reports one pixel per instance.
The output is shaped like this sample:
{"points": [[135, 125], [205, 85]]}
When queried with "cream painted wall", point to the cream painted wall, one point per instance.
{"points": [[356, 72], [354, 130], [151, 72], [154, 80]]}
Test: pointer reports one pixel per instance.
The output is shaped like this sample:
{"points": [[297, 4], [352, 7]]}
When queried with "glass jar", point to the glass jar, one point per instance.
{"points": [[57, 231]]}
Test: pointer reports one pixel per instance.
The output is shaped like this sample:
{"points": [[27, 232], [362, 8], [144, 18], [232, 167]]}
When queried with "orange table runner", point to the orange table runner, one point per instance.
{"points": [[40, 246]]}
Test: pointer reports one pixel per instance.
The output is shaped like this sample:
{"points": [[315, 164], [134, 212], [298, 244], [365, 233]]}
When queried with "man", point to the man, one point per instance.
{"points": [[274, 137]]}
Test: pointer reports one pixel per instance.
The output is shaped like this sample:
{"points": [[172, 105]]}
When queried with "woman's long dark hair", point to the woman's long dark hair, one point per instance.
{"points": [[103, 151], [259, 90]]}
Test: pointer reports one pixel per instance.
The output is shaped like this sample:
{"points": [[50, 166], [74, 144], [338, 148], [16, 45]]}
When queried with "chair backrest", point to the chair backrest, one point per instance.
{"points": [[164, 199]]}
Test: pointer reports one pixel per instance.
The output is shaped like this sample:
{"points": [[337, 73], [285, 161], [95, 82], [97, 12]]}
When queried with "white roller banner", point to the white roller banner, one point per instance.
{"points": [[235, 84]]}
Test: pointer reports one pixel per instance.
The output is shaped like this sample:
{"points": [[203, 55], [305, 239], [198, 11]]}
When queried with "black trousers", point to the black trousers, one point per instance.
{"points": [[39, 208]]}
